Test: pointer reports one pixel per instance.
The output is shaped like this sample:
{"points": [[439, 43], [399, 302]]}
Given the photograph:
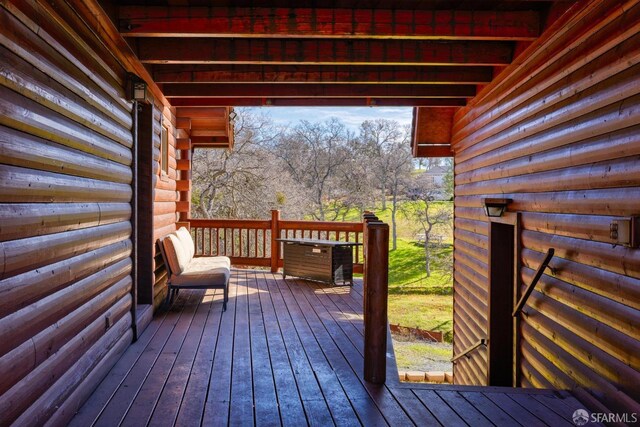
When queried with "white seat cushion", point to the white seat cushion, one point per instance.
{"points": [[204, 272], [214, 261]]}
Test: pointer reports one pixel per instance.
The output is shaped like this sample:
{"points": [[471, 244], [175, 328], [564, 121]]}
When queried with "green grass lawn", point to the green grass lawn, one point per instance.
{"points": [[416, 300]]}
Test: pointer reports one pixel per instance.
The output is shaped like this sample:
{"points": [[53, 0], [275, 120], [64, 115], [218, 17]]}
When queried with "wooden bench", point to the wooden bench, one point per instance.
{"points": [[186, 272]]}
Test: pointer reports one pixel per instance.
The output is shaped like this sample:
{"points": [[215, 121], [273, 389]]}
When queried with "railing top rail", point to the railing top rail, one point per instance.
{"points": [[321, 225], [527, 293], [231, 223], [481, 342]]}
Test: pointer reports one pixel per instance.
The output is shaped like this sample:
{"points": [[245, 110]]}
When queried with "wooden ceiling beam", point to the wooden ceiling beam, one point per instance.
{"points": [[260, 22], [213, 113], [432, 151], [320, 74], [326, 51], [317, 102], [286, 90], [209, 141]]}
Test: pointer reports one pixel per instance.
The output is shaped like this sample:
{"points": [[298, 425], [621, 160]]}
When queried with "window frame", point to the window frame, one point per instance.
{"points": [[164, 152]]}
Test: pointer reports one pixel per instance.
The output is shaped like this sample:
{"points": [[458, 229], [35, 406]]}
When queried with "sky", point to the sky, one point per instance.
{"points": [[350, 116]]}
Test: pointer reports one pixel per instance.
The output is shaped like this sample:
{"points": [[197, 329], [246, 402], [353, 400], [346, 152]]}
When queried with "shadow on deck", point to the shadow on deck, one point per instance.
{"points": [[286, 352]]}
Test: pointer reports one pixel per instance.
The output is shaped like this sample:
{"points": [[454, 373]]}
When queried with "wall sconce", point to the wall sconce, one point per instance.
{"points": [[232, 117], [495, 207], [137, 89], [626, 231]]}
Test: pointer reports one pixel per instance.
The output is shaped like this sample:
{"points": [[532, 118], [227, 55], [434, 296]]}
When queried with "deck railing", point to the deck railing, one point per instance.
{"points": [[252, 242]]}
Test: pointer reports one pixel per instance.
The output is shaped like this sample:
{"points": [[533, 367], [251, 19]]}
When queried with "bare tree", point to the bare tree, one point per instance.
{"points": [[449, 177], [314, 154], [388, 153], [246, 181], [427, 213], [378, 138]]}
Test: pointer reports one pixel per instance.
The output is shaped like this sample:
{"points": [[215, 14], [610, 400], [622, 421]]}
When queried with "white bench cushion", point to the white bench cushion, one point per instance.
{"points": [[204, 272]]}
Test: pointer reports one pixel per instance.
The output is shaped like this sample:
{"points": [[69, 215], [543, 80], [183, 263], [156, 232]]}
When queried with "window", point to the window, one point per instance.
{"points": [[164, 151]]}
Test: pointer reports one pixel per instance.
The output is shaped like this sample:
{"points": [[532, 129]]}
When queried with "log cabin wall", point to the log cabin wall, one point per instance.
{"points": [[165, 194], [65, 192], [559, 133]]}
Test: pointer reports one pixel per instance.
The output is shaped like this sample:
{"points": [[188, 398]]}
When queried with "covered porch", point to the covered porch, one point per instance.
{"points": [[286, 352], [102, 106]]}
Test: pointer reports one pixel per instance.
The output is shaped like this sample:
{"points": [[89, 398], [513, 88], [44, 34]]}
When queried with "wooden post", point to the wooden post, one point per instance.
{"points": [[144, 233], [367, 217], [134, 223], [275, 245], [375, 308]]}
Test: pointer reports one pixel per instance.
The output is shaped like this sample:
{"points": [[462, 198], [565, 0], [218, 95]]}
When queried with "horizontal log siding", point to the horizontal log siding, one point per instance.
{"points": [[559, 135], [165, 195], [65, 230]]}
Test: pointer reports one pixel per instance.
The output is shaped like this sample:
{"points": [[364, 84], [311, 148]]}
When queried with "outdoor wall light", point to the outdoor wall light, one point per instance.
{"points": [[140, 91], [137, 88], [495, 207]]}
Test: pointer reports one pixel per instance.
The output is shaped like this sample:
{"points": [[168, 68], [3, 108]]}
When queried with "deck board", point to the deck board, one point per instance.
{"points": [[266, 401], [341, 411], [118, 406], [96, 403], [289, 401], [195, 395], [241, 412], [216, 409], [147, 397], [286, 352], [165, 411]]}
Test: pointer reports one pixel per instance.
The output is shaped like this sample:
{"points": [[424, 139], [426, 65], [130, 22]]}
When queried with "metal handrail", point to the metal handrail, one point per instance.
{"points": [[481, 342], [527, 293]]}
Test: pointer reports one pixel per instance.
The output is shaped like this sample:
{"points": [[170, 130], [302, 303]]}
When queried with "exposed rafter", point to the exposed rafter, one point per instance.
{"points": [[285, 90], [319, 102], [326, 51], [430, 53], [138, 21], [321, 74]]}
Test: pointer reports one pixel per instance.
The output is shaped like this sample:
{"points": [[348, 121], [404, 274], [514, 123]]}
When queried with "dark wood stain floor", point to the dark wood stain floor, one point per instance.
{"points": [[286, 352]]}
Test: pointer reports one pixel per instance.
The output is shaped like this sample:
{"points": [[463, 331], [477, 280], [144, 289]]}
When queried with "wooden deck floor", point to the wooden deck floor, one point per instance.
{"points": [[286, 352]]}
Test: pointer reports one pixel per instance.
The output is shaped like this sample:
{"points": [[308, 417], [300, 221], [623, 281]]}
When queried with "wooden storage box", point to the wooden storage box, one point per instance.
{"points": [[323, 260]]}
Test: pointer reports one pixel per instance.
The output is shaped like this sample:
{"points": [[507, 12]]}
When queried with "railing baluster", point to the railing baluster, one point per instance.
{"points": [[224, 238], [357, 250]]}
